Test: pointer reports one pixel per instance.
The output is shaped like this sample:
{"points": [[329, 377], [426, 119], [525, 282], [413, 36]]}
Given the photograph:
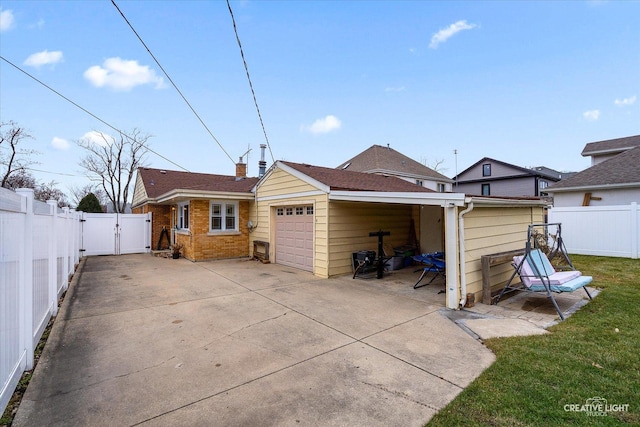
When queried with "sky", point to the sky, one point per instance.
{"points": [[443, 82]]}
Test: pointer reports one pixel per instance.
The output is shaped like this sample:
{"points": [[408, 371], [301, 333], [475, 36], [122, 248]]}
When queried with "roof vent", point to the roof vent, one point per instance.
{"points": [[347, 165], [163, 172]]}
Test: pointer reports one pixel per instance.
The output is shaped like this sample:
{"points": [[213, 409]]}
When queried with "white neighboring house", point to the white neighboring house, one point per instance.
{"points": [[389, 162], [613, 179]]}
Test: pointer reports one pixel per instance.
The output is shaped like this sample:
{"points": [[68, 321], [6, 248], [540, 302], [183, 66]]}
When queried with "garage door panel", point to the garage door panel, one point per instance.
{"points": [[294, 238]]}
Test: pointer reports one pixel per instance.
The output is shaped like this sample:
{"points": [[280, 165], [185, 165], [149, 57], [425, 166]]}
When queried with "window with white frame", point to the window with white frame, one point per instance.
{"points": [[183, 216], [224, 216], [441, 188]]}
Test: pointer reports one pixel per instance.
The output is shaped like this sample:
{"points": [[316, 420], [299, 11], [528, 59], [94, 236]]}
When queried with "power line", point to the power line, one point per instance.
{"points": [[87, 111], [169, 78], [246, 68]]}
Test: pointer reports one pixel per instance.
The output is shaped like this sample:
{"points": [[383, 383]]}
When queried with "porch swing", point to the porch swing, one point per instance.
{"points": [[536, 270]]}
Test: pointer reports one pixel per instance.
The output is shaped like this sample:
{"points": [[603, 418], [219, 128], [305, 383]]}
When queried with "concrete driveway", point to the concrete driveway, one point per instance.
{"points": [[153, 341]]}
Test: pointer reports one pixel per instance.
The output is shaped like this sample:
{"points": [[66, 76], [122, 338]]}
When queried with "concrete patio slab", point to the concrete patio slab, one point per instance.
{"points": [[494, 328], [156, 341]]}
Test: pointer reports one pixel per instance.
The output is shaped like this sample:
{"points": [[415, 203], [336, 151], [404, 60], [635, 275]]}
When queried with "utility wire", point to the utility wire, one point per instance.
{"points": [[174, 85], [87, 111], [246, 68]]}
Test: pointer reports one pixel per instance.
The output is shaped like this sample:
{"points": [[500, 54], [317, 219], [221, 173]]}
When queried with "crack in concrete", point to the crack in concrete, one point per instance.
{"points": [[400, 394]]}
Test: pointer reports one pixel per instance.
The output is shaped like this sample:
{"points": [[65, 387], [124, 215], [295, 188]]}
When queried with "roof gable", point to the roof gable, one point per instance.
{"points": [[610, 146], [339, 179], [157, 182], [620, 170], [379, 159]]}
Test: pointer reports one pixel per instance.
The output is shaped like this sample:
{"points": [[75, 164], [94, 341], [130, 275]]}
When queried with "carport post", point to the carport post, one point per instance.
{"points": [[451, 254]]}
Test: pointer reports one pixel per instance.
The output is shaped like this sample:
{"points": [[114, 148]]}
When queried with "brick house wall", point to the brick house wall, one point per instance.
{"points": [[201, 245]]}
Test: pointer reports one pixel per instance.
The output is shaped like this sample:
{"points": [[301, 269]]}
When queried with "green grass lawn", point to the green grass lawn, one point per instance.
{"points": [[594, 353]]}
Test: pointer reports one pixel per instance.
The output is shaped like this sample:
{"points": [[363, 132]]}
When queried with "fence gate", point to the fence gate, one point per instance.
{"points": [[115, 234]]}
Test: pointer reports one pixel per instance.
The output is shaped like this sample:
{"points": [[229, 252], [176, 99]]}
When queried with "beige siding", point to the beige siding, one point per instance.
{"points": [[489, 230], [285, 186], [351, 222], [139, 193]]}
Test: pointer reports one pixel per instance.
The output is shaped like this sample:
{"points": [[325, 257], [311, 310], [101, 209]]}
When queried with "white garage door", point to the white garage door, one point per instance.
{"points": [[294, 237]]}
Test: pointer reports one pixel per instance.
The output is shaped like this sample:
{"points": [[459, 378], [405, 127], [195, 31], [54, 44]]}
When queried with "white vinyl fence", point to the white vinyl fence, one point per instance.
{"points": [[600, 230], [39, 250]]}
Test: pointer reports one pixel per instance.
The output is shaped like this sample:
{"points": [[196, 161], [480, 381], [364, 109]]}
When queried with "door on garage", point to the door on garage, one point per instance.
{"points": [[294, 236]]}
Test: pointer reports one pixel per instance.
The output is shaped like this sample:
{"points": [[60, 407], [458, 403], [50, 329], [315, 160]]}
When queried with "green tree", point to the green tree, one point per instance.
{"points": [[89, 204]]}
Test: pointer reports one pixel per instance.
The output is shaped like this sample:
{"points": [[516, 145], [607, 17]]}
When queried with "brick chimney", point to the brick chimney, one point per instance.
{"points": [[241, 169]]}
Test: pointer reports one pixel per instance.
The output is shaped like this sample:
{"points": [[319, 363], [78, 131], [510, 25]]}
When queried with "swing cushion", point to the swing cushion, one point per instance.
{"points": [[559, 281]]}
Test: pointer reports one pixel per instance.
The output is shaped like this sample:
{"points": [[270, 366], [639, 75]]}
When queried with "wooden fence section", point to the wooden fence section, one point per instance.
{"points": [[600, 230]]}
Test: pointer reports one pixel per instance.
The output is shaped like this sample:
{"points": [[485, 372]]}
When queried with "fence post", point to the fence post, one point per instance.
{"points": [[52, 256], [635, 231], [26, 290], [66, 246]]}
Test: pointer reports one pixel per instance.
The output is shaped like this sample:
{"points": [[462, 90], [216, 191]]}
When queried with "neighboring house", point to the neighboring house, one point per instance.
{"points": [[387, 161], [315, 218], [205, 212], [603, 150], [614, 178], [490, 177]]}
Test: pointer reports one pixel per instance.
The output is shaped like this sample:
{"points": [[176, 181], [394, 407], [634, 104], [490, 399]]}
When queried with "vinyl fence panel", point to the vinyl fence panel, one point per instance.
{"points": [[600, 230]]}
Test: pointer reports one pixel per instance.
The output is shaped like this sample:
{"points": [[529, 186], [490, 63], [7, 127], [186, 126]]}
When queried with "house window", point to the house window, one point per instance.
{"points": [[486, 169], [224, 216], [309, 210], [441, 188], [289, 211], [419, 182], [543, 184], [486, 189], [280, 211], [300, 210], [183, 216]]}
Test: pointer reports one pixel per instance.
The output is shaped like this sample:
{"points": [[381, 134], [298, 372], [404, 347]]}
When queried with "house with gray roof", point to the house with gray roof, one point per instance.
{"points": [[614, 178], [389, 162], [491, 177]]}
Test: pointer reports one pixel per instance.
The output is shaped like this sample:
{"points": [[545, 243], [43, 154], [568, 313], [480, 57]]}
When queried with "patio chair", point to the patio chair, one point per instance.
{"points": [[538, 275], [434, 263]]}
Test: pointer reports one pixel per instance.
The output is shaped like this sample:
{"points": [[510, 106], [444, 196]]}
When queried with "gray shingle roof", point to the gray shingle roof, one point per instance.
{"points": [[339, 179], [617, 145], [379, 159], [160, 181], [623, 169]]}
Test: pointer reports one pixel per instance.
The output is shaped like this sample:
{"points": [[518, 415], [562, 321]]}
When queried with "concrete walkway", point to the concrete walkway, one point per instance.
{"points": [[153, 341]]}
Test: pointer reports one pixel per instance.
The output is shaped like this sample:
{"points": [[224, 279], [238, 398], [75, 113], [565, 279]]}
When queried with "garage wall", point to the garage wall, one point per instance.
{"points": [[490, 230], [351, 222], [283, 189]]}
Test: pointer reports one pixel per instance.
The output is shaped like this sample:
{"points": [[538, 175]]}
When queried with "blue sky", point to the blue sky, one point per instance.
{"points": [[529, 83]]}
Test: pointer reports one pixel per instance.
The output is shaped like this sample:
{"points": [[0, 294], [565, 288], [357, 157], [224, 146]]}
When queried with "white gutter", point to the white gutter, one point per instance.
{"points": [[463, 278]]}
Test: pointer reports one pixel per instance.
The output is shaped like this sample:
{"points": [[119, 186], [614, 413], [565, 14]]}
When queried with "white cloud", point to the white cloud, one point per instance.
{"points": [[625, 101], [43, 58], [444, 34], [591, 115], [120, 74], [59, 143], [97, 138], [324, 125], [7, 20], [395, 89]]}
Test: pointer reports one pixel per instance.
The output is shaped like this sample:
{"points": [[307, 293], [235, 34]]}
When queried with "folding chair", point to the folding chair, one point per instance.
{"points": [[434, 263]]}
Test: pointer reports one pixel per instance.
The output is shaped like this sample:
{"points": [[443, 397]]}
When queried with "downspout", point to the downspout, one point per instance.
{"points": [[463, 273]]}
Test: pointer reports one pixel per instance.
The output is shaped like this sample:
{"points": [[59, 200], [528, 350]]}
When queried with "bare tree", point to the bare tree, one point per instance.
{"points": [[48, 191], [112, 163], [41, 191], [436, 165], [13, 158]]}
